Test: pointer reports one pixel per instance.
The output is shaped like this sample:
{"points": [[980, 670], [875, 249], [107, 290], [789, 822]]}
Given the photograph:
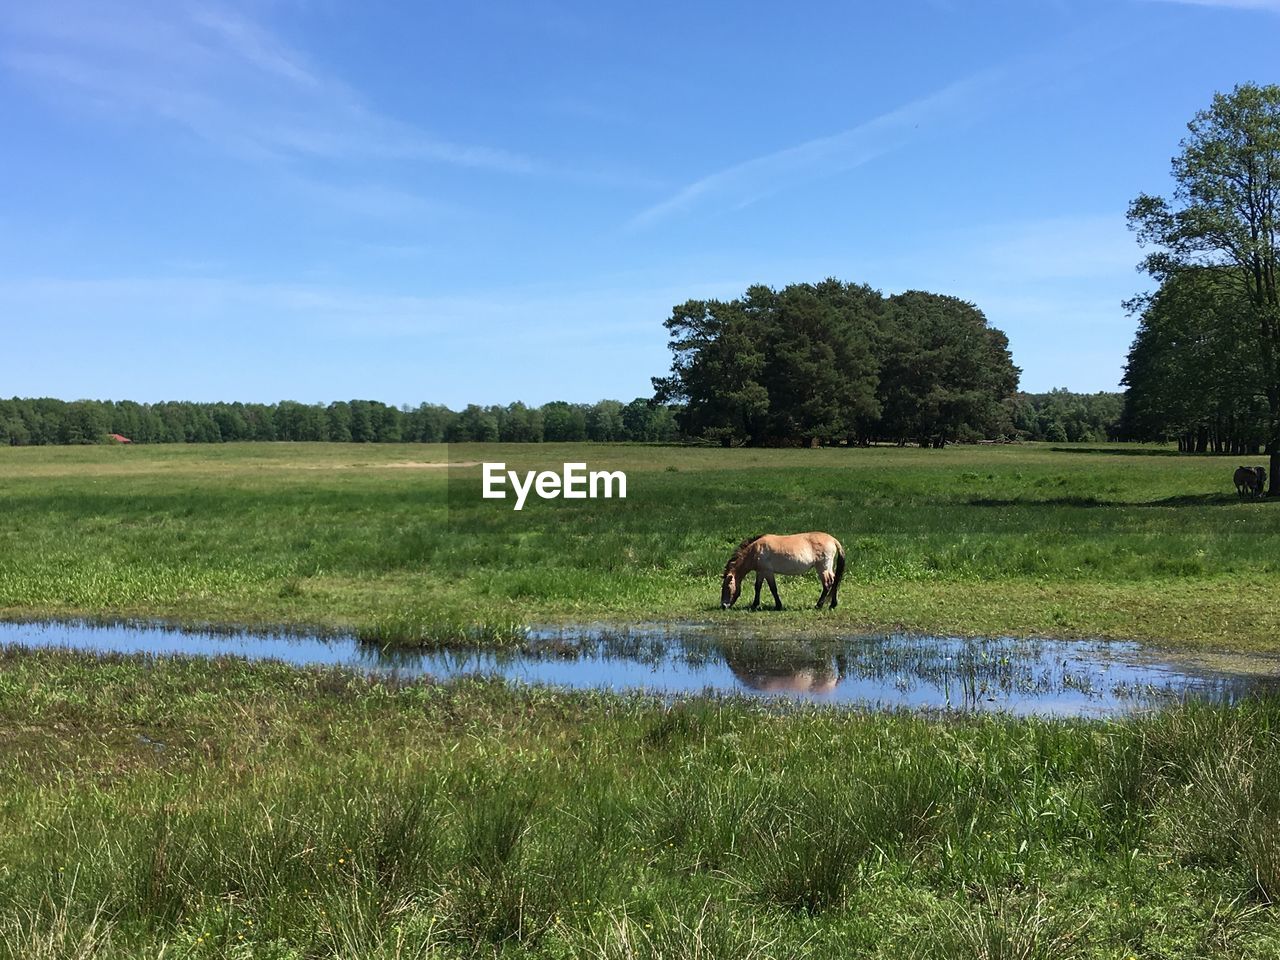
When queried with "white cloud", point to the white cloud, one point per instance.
{"points": [[219, 74]]}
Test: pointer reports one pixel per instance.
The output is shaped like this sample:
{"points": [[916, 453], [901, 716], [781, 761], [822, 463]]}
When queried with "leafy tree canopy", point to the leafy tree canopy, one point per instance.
{"points": [[833, 362], [1216, 317]]}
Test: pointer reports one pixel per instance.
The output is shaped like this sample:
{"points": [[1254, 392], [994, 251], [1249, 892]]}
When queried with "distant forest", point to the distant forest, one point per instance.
{"points": [[1057, 416]]}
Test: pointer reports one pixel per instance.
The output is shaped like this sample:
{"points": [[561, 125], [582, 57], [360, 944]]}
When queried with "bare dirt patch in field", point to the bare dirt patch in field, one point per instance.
{"points": [[420, 465], [399, 465]]}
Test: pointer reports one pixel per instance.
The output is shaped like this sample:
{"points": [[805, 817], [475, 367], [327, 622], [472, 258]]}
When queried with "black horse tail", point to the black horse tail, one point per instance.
{"points": [[835, 585]]}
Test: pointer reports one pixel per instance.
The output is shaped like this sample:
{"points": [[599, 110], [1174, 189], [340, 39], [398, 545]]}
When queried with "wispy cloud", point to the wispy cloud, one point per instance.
{"points": [[218, 337], [1272, 5], [1072, 247], [219, 74], [531, 315], [371, 200], [744, 183], [947, 109]]}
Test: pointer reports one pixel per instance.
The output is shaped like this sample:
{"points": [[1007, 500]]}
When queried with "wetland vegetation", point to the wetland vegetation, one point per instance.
{"points": [[217, 808], [213, 808]]}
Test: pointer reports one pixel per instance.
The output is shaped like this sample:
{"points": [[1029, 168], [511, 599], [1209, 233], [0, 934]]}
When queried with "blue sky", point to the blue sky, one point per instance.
{"points": [[318, 200]]}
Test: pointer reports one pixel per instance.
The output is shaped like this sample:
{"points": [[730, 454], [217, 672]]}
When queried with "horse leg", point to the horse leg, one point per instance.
{"points": [[755, 604], [773, 588], [827, 578]]}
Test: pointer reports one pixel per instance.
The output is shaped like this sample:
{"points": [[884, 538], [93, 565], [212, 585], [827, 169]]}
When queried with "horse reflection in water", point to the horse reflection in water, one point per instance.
{"points": [[782, 668]]}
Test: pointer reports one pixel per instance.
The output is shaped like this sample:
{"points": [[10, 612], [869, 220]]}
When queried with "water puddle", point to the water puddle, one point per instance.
{"points": [[891, 671]]}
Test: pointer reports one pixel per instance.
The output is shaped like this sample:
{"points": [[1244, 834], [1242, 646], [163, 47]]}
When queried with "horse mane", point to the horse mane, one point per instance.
{"points": [[740, 552]]}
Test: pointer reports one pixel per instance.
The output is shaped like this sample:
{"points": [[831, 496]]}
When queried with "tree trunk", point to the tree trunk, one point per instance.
{"points": [[1273, 441]]}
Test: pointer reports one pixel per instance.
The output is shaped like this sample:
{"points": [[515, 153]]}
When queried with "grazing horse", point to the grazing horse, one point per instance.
{"points": [[1250, 480], [1246, 481], [770, 554]]}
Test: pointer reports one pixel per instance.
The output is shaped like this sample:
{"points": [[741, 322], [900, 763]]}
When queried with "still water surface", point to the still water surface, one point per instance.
{"points": [[888, 671]]}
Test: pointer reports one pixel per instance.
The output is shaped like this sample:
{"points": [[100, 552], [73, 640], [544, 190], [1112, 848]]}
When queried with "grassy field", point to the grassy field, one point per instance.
{"points": [[210, 809], [1118, 542], [216, 809]]}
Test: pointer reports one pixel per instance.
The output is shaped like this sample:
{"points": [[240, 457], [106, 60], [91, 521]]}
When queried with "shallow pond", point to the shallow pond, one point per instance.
{"points": [[887, 671]]}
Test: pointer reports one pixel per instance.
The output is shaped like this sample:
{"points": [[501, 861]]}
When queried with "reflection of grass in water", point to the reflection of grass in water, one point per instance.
{"points": [[973, 668], [963, 672], [431, 629]]}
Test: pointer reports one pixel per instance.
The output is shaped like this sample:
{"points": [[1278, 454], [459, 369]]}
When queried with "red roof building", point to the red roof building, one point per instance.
{"points": [[119, 439]]}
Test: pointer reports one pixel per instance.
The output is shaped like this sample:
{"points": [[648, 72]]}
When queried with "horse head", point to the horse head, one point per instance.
{"points": [[730, 589]]}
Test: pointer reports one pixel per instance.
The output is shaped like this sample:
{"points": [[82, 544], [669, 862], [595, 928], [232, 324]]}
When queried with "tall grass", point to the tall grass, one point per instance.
{"points": [[1001, 927], [314, 815]]}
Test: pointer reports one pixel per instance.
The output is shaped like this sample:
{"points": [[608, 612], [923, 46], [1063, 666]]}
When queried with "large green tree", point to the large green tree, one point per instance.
{"points": [[1191, 373], [831, 361], [943, 371], [1223, 215], [718, 364], [821, 373]]}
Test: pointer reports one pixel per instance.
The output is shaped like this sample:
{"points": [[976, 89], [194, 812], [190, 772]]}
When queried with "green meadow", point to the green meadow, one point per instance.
{"points": [[217, 809], [220, 809], [1122, 541]]}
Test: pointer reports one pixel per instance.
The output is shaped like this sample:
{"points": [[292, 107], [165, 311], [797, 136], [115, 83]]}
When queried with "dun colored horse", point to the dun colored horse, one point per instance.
{"points": [[1250, 480], [771, 554]]}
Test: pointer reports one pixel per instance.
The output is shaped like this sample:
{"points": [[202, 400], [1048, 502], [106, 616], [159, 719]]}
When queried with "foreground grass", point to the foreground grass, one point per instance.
{"points": [[217, 809], [1122, 542]]}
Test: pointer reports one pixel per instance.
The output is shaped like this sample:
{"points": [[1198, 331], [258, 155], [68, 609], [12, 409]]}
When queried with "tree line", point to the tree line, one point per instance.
{"points": [[837, 362], [1058, 416], [1061, 416], [50, 421]]}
